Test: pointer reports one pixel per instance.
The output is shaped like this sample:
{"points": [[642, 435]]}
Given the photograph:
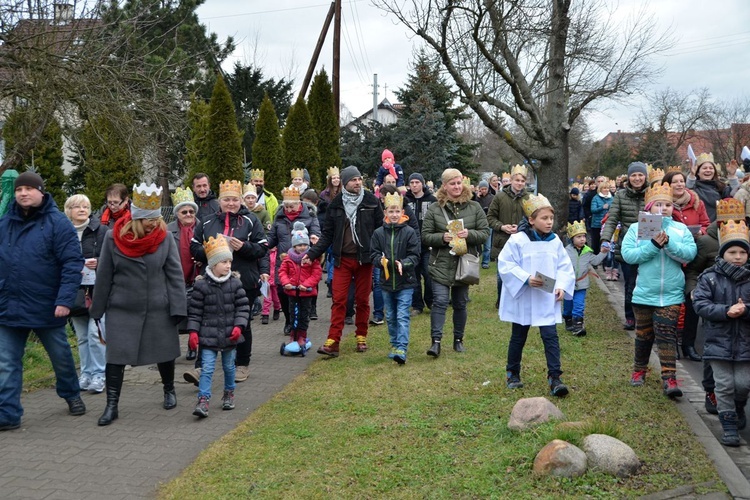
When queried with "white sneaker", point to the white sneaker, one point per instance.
{"points": [[84, 381], [97, 384]]}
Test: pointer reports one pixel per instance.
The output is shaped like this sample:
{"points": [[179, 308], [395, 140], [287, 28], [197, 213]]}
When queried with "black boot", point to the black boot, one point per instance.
{"points": [[690, 353], [578, 329], [458, 345], [739, 407], [113, 375], [568, 323], [434, 349], [166, 370], [728, 420]]}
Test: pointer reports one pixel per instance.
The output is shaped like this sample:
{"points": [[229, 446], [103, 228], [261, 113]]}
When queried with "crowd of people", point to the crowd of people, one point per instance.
{"points": [[230, 256]]}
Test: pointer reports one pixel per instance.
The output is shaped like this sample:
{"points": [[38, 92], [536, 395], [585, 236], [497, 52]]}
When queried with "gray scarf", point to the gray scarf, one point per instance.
{"points": [[351, 204]]}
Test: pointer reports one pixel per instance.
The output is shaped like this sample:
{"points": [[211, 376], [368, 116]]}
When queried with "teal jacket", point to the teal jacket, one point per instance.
{"points": [[661, 281], [581, 262]]}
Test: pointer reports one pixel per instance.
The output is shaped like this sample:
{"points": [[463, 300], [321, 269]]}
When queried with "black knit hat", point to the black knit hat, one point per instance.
{"points": [[29, 179]]}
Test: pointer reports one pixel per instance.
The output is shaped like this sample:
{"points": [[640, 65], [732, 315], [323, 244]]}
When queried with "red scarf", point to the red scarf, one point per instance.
{"points": [[292, 215], [108, 215], [132, 247], [186, 258]]}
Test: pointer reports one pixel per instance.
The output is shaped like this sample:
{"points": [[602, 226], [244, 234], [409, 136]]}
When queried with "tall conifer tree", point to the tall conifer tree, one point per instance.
{"points": [[299, 141], [224, 147], [325, 127], [267, 152]]}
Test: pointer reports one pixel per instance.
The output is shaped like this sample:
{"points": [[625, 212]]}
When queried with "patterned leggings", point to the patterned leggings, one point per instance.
{"points": [[660, 324]]}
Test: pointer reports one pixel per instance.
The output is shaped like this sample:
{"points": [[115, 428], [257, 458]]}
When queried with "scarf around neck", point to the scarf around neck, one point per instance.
{"points": [[132, 247], [186, 258], [736, 273], [216, 278], [351, 204], [682, 201]]}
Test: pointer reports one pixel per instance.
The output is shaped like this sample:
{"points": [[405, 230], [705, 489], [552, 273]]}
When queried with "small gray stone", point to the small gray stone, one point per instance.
{"points": [[610, 455], [529, 412], [560, 458]]}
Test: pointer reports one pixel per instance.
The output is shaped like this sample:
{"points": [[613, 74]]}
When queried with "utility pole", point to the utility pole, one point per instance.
{"points": [[375, 97], [316, 54], [337, 58]]}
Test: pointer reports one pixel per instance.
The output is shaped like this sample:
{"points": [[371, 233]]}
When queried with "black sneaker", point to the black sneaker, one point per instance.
{"points": [[377, 321], [513, 381], [629, 324], [264, 319], [76, 406], [711, 403], [9, 427], [557, 388], [314, 315], [276, 313], [287, 329], [671, 389], [348, 320]]}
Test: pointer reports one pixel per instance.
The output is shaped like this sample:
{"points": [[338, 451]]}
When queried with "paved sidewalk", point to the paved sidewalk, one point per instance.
{"points": [[56, 456]]}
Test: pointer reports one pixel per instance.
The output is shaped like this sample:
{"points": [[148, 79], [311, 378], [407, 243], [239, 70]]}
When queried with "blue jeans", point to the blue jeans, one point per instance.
{"points": [[458, 296], [12, 346], [420, 301], [398, 316], [551, 348], [90, 349], [208, 360], [575, 308], [377, 296], [486, 251]]}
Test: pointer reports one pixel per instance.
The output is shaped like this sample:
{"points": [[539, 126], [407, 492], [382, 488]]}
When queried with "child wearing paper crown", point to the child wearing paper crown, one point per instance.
{"points": [[532, 250], [218, 313], [582, 256], [720, 298], [300, 283], [396, 249], [659, 289]]}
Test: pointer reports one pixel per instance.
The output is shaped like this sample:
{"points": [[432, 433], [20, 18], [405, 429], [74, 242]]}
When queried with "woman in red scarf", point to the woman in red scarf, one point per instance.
{"points": [[141, 288], [117, 204]]}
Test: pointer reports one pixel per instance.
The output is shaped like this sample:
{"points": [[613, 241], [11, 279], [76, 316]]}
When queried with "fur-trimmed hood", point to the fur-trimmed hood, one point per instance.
{"points": [[442, 196], [235, 274]]}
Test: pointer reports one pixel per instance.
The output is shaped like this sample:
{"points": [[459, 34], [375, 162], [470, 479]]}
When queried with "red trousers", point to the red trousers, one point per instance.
{"points": [[342, 278]]}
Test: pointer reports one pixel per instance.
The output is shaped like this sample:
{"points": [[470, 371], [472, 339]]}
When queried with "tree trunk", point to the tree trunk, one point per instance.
{"points": [[552, 181]]}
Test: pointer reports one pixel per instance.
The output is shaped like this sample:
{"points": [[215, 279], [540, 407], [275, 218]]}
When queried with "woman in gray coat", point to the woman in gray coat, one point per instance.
{"points": [[140, 286]]}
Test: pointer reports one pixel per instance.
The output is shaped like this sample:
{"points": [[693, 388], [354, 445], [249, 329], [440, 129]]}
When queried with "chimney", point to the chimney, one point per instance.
{"points": [[63, 13]]}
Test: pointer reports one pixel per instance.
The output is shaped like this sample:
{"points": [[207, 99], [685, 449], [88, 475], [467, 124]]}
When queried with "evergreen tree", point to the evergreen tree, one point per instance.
{"points": [[298, 141], [225, 158], [656, 149], [106, 159], [365, 142], [267, 153], [615, 159], [325, 127], [196, 156], [46, 157]]}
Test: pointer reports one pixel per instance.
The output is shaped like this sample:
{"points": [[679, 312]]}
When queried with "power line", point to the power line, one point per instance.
{"points": [[272, 11], [350, 50], [712, 46], [358, 31]]}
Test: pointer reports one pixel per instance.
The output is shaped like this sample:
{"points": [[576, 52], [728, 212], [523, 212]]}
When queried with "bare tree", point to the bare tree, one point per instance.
{"points": [[728, 129], [537, 63]]}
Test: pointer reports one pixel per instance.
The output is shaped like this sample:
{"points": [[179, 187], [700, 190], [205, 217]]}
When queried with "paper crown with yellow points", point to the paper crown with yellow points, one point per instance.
{"points": [[290, 194], [576, 185], [181, 196], [249, 188], [506, 175], [733, 231], [674, 168], [230, 188], [334, 171], [147, 197], [297, 172], [730, 209], [466, 181], [217, 249], [703, 158], [392, 200], [576, 228], [654, 174], [533, 203], [612, 184], [257, 174], [659, 192], [520, 170]]}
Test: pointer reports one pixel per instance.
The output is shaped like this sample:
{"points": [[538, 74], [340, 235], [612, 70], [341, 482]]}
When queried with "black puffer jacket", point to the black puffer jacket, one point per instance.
{"points": [[726, 338], [206, 206], [369, 218], [216, 308], [250, 260], [398, 242]]}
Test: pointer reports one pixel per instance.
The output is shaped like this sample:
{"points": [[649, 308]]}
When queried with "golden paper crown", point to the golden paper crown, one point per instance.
{"points": [[147, 197], [230, 188], [730, 209], [217, 249], [733, 231], [576, 185], [466, 181], [533, 203], [576, 228], [256, 174], [703, 158], [298, 172], [334, 171], [519, 169], [612, 184], [392, 200], [249, 188], [290, 194], [659, 192], [674, 168], [506, 175], [182, 196], [654, 174]]}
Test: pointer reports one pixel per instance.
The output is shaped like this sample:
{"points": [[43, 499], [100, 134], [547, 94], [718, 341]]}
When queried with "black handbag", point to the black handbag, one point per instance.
{"points": [[83, 301]]}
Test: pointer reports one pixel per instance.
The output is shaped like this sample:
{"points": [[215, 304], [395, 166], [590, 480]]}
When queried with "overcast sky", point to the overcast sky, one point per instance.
{"points": [[712, 38]]}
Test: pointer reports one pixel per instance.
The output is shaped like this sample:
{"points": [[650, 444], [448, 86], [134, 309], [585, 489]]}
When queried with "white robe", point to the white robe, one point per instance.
{"points": [[519, 260]]}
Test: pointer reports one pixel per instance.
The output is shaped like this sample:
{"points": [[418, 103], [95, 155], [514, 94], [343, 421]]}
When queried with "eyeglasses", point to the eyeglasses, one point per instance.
{"points": [[187, 212], [114, 203]]}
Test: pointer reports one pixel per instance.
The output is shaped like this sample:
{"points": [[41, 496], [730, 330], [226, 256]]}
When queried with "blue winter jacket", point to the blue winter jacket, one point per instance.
{"points": [[598, 211], [660, 281], [40, 266]]}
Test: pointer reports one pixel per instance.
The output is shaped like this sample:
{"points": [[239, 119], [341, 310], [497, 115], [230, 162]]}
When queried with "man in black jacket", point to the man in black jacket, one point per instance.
{"points": [[204, 197], [351, 219], [419, 200]]}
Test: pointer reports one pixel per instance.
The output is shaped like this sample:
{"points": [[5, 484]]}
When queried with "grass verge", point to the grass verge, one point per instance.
{"points": [[361, 426]]}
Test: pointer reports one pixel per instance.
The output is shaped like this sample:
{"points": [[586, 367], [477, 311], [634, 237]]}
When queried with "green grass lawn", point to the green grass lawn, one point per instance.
{"points": [[362, 426]]}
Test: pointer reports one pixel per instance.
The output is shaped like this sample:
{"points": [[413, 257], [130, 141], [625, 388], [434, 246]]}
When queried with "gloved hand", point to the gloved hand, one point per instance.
{"points": [[193, 341], [236, 332]]}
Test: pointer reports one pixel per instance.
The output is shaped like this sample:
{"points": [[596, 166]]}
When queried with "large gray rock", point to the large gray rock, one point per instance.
{"points": [[560, 458], [610, 455], [529, 412]]}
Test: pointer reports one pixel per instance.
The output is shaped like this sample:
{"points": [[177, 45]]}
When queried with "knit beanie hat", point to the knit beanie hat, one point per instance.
{"points": [[637, 167], [483, 184], [217, 250], [349, 173], [29, 179], [387, 154], [450, 173], [299, 234], [417, 176], [575, 191]]}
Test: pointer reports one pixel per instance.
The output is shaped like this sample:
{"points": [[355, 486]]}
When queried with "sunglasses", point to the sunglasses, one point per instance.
{"points": [[187, 212]]}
